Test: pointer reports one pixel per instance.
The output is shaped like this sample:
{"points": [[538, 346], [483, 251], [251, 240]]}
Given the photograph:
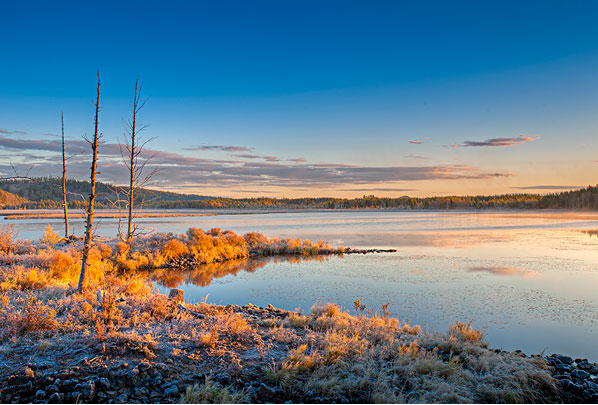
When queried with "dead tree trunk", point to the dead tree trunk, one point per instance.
{"points": [[131, 151], [64, 202], [92, 195], [132, 165]]}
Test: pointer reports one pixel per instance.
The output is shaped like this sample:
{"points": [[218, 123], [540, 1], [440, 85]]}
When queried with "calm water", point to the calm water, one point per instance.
{"points": [[529, 278]]}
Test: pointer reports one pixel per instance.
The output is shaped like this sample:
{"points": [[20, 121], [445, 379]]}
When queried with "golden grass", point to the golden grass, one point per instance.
{"points": [[328, 354], [375, 359], [211, 392]]}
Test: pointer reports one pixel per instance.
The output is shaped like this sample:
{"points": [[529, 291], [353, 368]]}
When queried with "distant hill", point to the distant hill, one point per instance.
{"points": [[8, 199], [47, 193]]}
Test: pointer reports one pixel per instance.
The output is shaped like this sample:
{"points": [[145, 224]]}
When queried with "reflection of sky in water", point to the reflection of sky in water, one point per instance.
{"points": [[529, 278]]}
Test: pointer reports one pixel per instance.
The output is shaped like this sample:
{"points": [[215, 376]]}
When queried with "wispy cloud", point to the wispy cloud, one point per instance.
{"points": [[224, 148], [181, 171], [388, 189], [499, 142], [415, 142], [417, 157], [547, 187], [249, 156], [7, 132]]}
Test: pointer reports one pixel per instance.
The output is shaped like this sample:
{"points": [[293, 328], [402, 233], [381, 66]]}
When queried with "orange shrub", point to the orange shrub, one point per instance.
{"points": [[174, 248], [6, 239]]}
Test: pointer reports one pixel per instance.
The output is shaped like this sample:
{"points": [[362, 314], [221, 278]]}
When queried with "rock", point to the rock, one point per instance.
{"points": [[143, 367], [157, 380], [268, 394], [155, 395], [103, 384], [40, 394], [569, 385], [133, 376], [580, 374], [520, 353], [564, 359], [54, 388], [73, 397], [56, 398], [68, 385], [171, 390], [121, 399], [142, 392], [563, 367], [584, 365], [87, 390], [592, 385], [119, 377], [48, 380], [593, 370]]}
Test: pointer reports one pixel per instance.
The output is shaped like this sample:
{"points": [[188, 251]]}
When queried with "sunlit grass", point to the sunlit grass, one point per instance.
{"points": [[325, 355]]}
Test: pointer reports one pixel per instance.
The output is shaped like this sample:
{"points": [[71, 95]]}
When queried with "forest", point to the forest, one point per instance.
{"points": [[46, 193]]}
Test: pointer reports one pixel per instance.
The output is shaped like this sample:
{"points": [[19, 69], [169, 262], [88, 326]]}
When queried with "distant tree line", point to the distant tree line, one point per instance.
{"points": [[579, 199], [47, 193]]}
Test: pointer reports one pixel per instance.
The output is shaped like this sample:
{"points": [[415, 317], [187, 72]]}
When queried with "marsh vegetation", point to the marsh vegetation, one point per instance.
{"points": [[120, 340]]}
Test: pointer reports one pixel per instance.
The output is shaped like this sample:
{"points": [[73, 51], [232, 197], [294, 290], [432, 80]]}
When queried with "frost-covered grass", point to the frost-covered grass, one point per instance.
{"points": [[323, 356]]}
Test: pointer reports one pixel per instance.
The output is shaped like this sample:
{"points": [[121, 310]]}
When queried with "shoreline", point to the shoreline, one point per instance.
{"points": [[246, 362], [23, 214], [121, 342]]}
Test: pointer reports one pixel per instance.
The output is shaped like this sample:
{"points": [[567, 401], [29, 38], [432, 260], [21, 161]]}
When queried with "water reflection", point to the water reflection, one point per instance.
{"points": [[504, 271], [590, 232], [204, 275]]}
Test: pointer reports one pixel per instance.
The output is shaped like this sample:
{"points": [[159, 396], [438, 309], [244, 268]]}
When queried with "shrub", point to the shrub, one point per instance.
{"points": [[7, 239], [174, 248], [33, 316], [50, 237], [464, 332]]}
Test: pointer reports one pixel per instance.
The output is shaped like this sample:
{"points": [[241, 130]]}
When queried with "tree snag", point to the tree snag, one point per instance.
{"points": [[92, 194], [64, 202], [131, 151]]}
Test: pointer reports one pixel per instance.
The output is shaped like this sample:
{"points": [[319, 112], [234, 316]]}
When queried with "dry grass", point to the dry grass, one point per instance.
{"points": [[211, 392], [326, 355], [375, 359]]}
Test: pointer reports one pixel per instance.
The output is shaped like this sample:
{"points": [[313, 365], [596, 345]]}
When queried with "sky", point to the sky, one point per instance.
{"points": [[310, 98]]}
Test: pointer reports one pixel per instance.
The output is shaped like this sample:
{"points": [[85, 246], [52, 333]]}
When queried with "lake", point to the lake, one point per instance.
{"points": [[528, 278]]}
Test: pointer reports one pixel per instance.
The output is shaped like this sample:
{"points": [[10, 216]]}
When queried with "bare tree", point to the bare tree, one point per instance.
{"points": [[17, 176], [92, 194], [64, 202], [131, 154]]}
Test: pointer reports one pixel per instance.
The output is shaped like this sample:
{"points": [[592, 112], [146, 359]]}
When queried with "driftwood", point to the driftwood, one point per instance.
{"points": [[190, 311]]}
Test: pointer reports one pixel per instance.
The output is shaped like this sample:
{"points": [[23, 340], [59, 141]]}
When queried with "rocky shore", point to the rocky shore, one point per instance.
{"points": [[578, 378], [91, 370]]}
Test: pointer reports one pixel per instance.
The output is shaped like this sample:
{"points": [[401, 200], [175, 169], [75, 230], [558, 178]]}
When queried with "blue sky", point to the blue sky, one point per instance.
{"points": [[315, 98]]}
